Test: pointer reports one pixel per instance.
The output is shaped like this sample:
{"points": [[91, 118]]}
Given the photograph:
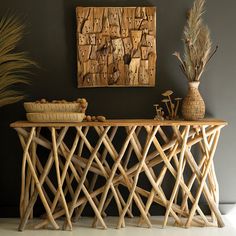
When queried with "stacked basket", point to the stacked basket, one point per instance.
{"points": [[56, 111]]}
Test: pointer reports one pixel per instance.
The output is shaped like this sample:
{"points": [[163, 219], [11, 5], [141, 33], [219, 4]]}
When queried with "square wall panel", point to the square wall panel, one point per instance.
{"points": [[116, 46]]}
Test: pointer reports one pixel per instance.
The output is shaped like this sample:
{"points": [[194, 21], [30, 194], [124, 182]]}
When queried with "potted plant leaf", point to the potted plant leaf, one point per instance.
{"points": [[14, 66], [197, 54]]}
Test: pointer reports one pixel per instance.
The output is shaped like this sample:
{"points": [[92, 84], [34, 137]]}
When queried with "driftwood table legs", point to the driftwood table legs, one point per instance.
{"points": [[67, 168]]}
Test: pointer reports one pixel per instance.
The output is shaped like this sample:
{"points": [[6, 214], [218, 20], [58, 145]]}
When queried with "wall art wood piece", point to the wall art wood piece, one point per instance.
{"points": [[116, 46]]}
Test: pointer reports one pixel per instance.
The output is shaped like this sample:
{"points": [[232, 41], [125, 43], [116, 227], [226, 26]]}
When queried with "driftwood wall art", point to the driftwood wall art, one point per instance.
{"points": [[116, 46]]}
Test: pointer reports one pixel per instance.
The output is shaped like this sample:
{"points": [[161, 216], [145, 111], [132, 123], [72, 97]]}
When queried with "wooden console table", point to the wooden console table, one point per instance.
{"points": [[65, 164]]}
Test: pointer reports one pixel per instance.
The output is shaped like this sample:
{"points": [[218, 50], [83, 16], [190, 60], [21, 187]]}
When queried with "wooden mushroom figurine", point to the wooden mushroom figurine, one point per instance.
{"points": [[172, 107], [167, 106], [160, 114], [168, 93], [177, 106], [156, 106]]}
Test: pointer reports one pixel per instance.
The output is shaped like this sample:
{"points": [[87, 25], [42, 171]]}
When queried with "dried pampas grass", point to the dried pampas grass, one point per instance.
{"points": [[14, 66], [197, 44]]}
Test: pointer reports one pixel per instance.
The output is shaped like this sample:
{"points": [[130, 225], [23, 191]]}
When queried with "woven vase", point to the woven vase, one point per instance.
{"points": [[193, 106]]}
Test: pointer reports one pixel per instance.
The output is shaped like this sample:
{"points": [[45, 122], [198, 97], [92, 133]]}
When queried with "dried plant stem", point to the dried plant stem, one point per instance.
{"points": [[197, 44], [212, 54]]}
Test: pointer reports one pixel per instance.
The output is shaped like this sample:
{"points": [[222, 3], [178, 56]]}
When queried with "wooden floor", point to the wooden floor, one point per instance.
{"points": [[8, 227]]}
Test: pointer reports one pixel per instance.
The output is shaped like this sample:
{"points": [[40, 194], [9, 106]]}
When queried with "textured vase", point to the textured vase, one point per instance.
{"points": [[193, 106]]}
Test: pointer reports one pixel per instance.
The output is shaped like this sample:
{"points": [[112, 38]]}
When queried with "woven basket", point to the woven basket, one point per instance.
{"points": [[55, 117], [53, 107]]}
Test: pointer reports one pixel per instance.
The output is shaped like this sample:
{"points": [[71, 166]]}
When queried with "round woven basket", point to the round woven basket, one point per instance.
{"points": [[53, 107], [55, 117]]}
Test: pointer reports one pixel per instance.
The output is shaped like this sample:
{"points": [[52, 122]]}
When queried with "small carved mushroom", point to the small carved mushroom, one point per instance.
{"points": [[167, 93], [159, 114], [166, 103], [177, 106], [156, 106]]}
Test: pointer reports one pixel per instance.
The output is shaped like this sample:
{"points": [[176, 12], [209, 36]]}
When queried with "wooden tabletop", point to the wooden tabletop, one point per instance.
{"points": [[124, 122]]}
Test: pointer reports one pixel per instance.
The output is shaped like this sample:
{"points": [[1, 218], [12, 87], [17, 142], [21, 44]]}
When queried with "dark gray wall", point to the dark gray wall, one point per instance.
{"points": [[51, 42]]}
